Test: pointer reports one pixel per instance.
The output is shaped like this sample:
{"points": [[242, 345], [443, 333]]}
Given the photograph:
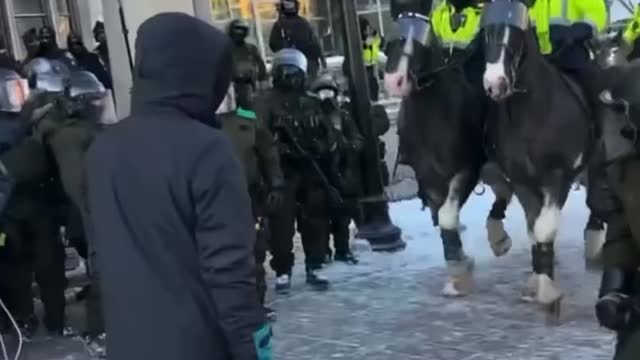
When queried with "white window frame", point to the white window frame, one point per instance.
{"points": [[50, 14]]}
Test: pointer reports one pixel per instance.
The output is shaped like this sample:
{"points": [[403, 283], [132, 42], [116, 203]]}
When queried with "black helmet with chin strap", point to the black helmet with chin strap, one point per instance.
{"points": [[239, 29], [289, 7]]}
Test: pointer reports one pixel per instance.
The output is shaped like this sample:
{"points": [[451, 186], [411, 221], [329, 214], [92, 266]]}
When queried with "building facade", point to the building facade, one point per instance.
{"points": [[18, 16]]}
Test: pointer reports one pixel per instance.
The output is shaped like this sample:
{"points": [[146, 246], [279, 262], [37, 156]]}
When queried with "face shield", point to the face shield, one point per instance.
{"points": [[290, 57], [14, 91], [506, 12], [48, 76], [86, 95], [416, 27]]}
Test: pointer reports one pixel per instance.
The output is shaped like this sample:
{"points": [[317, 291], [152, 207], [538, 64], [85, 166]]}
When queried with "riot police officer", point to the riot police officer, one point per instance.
{"points": [[618, 306], [248, 65], [305, 140], [293, 31], [350, 144], [68, 131], [28, 230], [254, 145]]}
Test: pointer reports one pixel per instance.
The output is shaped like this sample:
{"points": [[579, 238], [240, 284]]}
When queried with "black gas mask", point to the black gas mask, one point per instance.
{"points": [[289, 70], [290, 7], [289, 78]]}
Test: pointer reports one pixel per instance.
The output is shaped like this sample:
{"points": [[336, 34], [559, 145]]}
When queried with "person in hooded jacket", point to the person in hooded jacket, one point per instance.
{"points": [[88, 60], [170, 211], [31, 44], [49, 48], [100, 36], [293, 31]]}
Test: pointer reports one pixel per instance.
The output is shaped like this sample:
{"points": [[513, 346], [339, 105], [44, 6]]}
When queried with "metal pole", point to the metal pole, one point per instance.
{"points": [[258, 25], [376, 225], [380, 20]]}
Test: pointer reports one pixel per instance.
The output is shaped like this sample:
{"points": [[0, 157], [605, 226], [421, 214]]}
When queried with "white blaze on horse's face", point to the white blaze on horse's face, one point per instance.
{"points": [[397, 83], [496, 81]]}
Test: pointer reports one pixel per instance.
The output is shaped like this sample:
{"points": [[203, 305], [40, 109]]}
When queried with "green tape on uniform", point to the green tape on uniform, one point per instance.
{"points": [[247, 114], [3, 239]]}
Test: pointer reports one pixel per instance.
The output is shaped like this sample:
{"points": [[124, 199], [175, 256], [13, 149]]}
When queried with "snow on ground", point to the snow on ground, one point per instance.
{"points": [[389, 306]]}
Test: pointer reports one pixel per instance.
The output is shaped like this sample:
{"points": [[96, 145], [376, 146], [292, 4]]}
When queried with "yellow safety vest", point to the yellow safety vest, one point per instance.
{"points": [[547, 13], [372, 52], [459, 38], [632, 31]]}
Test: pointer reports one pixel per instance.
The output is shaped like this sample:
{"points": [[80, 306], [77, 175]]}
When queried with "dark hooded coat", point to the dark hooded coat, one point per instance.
{"points": [[169, 207]]}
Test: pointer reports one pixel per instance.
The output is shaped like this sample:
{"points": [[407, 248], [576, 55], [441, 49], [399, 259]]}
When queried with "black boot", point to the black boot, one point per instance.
{"points": [[347, 258], [283, 284], [316, 280], [614, 306]]}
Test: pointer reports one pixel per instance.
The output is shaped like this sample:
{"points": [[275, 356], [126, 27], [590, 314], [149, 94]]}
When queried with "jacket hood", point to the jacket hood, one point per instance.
{"points": [[182, 64]]}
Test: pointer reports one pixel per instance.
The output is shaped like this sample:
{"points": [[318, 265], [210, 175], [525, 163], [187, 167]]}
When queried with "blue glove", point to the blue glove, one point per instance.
{"points": [[262, 342]]}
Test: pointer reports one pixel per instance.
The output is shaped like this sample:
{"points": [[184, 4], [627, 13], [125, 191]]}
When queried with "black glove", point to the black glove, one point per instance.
{"points": [[581, 32], [275, 199]]}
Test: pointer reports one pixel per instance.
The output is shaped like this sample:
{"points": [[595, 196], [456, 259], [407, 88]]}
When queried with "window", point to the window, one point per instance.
{"points": [[220, 10], [29, 14], [64, 23], [5, 40]]}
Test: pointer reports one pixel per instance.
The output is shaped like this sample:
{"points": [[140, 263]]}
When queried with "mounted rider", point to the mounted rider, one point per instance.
{"points": [[563, 29], [632, 31], [456, 23]]}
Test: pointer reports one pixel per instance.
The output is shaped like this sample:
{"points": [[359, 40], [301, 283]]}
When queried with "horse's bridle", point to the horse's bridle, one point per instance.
{"points": [[516, 56]]}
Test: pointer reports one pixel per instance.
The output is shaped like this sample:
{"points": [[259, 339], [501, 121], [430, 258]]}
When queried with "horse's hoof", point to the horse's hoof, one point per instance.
{"points": [[460, 278], [554, 312], [530, 291], [499, 240], [547, 291]]}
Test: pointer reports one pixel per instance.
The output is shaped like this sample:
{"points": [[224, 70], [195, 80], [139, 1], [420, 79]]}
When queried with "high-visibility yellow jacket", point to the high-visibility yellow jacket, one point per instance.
{"points": [[553, 18], [371, 51], [632, 31], [460, 38]]}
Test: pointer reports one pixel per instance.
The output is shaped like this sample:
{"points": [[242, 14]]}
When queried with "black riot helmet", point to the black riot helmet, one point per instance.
{"points": [[14, 91], [326, 89], [239, 30], [461, 4], [289, 7], [85, 95], [419, 7], [289, 70], [47, 75]]}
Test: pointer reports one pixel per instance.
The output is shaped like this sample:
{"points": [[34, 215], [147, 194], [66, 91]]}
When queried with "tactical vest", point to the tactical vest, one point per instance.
{"points": [[240, 127], [547, 13], [452, 35], [372, 52]]}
